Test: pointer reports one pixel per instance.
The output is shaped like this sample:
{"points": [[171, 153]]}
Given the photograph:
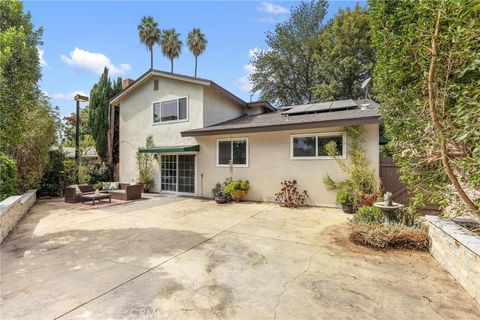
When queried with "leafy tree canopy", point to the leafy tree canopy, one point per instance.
{"points": [[427, 80], [344, 56], [284, 74], [100, 94]]}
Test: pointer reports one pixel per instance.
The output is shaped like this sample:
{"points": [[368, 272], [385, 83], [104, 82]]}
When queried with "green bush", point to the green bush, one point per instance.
{"points": [[369, 215], [53, 175], [344, 197], [8, 172], [236, 189], [70, 172], [98, 172]]}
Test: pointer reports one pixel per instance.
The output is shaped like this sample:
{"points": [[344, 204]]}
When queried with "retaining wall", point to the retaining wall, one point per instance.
{"points": [[13, 209]]}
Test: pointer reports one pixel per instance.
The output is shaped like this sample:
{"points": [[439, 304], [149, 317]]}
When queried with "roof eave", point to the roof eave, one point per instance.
{"points": [[284, 126]]}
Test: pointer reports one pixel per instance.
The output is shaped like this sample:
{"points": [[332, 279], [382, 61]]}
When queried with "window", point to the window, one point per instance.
{"points": [[171, 110], [313, 146], [232, 149], [155, 85]]}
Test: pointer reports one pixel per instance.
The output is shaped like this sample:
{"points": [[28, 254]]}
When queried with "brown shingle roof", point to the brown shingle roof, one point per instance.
{"points": [[275, 121]]}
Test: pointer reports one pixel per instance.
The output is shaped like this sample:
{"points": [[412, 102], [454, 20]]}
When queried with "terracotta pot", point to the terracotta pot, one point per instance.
{"points": [[367, 199], [347, 207]]}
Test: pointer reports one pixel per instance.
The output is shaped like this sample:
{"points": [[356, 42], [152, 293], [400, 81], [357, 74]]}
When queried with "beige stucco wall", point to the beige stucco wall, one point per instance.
{"points": [[218, 108], [136, 121], [270, 163]]}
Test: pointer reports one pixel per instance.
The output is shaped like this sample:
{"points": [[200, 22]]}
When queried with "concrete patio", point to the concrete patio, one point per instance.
{"points": [[182, 258]]}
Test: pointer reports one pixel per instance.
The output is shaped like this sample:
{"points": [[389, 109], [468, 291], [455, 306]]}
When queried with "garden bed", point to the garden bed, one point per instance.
{"points": [[458, 250]]}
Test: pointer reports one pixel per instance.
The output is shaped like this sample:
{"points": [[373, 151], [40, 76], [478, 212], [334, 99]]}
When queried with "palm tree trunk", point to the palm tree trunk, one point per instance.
{"points": [[151, 58], [196, 66], [171, 65]]}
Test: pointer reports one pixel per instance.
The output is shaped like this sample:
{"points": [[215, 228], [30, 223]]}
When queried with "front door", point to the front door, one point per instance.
{"points": [[178, 173]]}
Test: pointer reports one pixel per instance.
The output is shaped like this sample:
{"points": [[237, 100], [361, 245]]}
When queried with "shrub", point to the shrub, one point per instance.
{"points": [[236, 189], [98, 172], [70, 172], [344, 197], [8, 172], [53, 175], [145, 165], [289, 196], [391, 236], [369, 215]]}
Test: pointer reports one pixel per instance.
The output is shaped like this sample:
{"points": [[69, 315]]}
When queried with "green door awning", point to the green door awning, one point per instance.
{"points": [[172, 149]]}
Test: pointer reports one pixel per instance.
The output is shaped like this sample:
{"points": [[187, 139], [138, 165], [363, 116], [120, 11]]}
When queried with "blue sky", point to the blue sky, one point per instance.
{"points": [[81, 37]]}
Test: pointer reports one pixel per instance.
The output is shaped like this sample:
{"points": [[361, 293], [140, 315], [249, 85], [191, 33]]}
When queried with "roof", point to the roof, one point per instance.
{"points": [[276, 121], [70, 152], [205, 82]]}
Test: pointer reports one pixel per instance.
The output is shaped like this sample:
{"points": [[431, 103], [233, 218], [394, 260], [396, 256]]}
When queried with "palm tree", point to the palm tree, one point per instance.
{"points": [[149, 34], [171, 45], [196, 43]]}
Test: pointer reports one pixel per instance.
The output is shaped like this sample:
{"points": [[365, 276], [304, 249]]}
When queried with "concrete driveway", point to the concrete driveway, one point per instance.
{"points": [[180, 258]]}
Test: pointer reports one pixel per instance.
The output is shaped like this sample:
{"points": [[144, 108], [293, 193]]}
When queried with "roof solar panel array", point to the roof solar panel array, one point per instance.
{"points": [[322, 107]]}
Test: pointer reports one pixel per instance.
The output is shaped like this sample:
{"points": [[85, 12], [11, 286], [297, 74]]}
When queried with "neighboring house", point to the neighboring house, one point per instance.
{"points": [[89, 155], [198, 127]]}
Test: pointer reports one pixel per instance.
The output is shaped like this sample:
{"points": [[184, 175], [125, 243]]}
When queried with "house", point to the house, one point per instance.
{"points": [[89, 155], [199, 127]]}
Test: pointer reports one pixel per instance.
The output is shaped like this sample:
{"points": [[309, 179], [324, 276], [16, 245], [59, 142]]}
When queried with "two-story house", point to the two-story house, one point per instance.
{"points": [[204, 134]]}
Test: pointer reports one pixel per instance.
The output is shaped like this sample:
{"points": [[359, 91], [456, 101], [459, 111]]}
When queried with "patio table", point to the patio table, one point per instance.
{"points": [[92, 197]]}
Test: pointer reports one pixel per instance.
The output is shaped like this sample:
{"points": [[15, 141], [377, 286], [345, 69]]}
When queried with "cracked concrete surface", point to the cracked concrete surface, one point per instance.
{"points": [[181, 258]]}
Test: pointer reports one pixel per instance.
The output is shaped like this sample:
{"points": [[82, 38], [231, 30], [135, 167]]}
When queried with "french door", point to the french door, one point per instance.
{"points": [[178, 173]]}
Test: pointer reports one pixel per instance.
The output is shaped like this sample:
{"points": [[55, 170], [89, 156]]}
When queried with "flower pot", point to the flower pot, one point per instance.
{"points": [[367, 199], [220, 198], [347, 207]]}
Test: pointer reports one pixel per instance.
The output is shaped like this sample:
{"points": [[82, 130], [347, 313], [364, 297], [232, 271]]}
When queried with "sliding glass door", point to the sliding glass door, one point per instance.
{"points": [[178, 173]]}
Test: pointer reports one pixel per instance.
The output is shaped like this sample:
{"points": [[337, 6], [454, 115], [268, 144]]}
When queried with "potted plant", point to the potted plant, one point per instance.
{"points": [[236, 189], [145, 162], [346, 200], [218, 194], [97, 186]]}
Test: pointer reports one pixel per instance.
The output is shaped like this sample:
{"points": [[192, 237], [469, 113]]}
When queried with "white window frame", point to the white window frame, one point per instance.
{"points": [[231, 152], [316, 135], [178, 111]]}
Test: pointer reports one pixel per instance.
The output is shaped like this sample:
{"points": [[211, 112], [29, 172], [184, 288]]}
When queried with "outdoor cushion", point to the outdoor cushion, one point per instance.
{"points": [[110, 185]]}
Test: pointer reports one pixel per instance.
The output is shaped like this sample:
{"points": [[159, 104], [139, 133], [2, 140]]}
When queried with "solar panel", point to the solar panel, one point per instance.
{"points": [[343, 104], [322, 106], [299, 109]]}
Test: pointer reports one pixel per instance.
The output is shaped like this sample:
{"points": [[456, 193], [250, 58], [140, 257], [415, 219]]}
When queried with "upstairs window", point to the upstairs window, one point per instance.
{"points": [[312, 146], [171, 110], [155, 85], [232, 149]]}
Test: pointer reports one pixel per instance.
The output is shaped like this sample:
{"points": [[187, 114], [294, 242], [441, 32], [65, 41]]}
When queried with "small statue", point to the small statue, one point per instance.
{"points": [[387, 198]]}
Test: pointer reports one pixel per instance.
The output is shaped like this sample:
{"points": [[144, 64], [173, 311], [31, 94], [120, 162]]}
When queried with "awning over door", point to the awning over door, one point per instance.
{"points": [[171, 149]]}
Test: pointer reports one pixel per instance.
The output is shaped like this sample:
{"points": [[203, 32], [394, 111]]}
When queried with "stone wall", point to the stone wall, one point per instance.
{"points": [[458, 251], [12, 210]]}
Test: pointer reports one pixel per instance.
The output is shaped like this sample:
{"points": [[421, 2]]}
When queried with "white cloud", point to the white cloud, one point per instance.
{"points": [[68, 96], [272, 8], [42, 60], [243, 83], [93, 62]]}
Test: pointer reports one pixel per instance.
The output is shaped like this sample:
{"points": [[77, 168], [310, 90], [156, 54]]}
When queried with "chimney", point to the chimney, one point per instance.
{"points": [[126, 83]]}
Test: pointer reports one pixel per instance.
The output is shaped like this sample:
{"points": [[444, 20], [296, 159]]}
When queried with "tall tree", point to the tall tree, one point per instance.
{"points": [[344, 56], [171, 45], [149, 34], [197, 42], [284, 74], [27, 119], [427, 81], [19, 73], [98, 119]]}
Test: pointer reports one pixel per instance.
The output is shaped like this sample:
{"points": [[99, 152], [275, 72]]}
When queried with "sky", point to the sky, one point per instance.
{"points": [[80, 38]]}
